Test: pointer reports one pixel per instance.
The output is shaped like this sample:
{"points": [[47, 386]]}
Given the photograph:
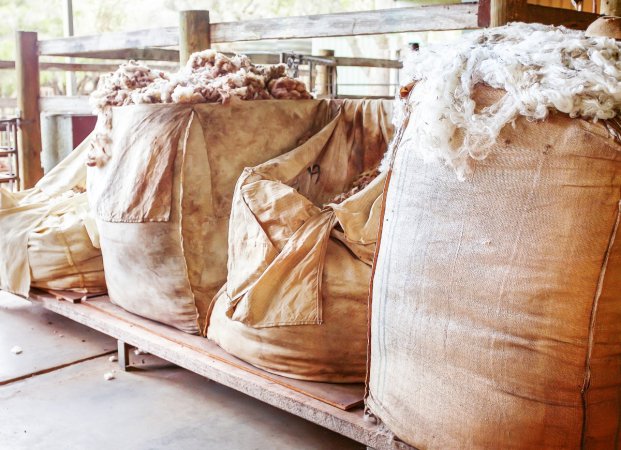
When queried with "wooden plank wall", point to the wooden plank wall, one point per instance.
{"points": [[588, 5]]}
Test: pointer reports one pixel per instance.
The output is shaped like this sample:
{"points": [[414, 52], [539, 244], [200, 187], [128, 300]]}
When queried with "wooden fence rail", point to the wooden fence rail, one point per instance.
{"points": [[422, 18], [80, 67]]}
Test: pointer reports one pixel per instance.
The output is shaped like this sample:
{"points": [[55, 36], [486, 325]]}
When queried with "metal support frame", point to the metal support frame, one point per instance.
{"points": [[9, 150], [123, 355]]}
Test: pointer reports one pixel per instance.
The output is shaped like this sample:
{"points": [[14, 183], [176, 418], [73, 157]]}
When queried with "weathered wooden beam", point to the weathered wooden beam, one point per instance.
{"points": [[258, 58], [570, 18], [194, 34], [65, 105], [98, 67], [368, 62], [610, 7], [541, 14], [80, 67], [139, 39], [205, 358], [141, 54], [29, 135], [460, 16], [483, 14], [505, 11]]}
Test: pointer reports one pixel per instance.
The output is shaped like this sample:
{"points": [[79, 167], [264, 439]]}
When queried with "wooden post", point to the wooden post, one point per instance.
{"points": [[123, 355], [393, 74], [505, 11], [29, 136], [70, 79], [193, 33], [323, 79], [610, 8]]}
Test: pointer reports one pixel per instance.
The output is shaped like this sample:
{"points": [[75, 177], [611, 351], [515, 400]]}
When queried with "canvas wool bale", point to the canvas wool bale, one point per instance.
{"points": [[496, 299], [295, 301], [47, 235], [161, 189]]}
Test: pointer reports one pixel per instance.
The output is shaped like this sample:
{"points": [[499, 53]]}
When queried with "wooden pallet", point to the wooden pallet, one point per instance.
{"points": [[334, 406]]}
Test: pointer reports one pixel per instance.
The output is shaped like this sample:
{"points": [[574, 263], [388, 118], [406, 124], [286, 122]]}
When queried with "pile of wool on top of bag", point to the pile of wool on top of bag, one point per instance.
{"points": [[208, 77], [540, 68]]}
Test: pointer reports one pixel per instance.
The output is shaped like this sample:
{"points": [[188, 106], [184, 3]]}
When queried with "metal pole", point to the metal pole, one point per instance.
{"points": [[68, 31]]}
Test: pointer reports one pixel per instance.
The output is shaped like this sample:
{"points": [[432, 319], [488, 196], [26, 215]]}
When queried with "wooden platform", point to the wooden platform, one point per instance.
{"points": [[337, 407]]}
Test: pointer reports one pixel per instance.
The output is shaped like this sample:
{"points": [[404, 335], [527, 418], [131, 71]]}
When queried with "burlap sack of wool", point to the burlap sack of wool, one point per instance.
{"points": [[295, 301], [496, 308], [162, 196], [48, 238]]}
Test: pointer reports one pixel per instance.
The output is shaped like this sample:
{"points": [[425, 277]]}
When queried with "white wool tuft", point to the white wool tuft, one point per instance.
{"points": [[109, 376], [208, 76], [16, 350], [541, 68]]}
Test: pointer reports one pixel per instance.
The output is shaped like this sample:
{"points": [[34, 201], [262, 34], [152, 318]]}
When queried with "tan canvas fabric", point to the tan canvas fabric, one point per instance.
{"points": [[295, 302], [47, 237], [496, 301], [62, 249], [163, 198]]}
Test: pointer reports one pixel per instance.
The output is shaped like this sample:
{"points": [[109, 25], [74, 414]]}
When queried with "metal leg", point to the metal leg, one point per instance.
{"points": [[123, 357]]}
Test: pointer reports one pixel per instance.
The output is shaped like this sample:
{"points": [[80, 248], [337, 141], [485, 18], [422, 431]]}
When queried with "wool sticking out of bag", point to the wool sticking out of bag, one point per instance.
{"points": [[208, 77], [540, 68], [116, 88], [287, 88], [361, 182], [109, 376]]}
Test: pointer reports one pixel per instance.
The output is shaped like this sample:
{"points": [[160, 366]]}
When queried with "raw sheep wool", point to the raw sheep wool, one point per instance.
{"points": [[208, 77], [116, 88], [359, 184], [541, 68]]}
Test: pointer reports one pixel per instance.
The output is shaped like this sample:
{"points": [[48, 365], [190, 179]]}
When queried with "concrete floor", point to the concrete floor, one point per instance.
{"points": [[69, 405]]}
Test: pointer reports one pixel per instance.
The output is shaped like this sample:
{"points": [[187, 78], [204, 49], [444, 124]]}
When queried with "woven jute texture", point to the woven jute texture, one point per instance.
{"points": [[496, 303]]}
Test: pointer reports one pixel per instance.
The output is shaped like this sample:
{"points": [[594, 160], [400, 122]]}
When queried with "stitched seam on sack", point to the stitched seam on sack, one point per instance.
{"points": [[185, 136], [591, 337], [392, 147], [371, 283], [382, 345]]}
